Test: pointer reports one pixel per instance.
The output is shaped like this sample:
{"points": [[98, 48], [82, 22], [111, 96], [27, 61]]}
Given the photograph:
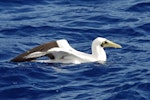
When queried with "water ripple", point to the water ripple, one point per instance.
{"points": [[26, 24]]}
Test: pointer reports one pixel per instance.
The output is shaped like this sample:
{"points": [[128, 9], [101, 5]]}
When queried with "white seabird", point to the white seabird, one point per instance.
{"points": [[61, 52]]}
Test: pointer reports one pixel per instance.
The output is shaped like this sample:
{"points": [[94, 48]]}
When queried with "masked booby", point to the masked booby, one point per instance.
{"points": [[61, 52]]}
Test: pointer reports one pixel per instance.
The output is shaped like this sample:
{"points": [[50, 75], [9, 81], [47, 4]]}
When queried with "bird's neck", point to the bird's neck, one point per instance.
{"points": [[98, 52]]}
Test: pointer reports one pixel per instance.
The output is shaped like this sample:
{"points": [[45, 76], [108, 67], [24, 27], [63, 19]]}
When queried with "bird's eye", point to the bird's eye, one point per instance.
{"points": [[105, 42]]}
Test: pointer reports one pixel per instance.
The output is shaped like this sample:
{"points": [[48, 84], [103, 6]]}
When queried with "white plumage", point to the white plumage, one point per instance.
{"points": [[64, 53]]}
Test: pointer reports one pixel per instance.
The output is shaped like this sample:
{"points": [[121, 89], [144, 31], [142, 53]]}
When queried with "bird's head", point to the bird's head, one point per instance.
{"points": [[107, 43]]}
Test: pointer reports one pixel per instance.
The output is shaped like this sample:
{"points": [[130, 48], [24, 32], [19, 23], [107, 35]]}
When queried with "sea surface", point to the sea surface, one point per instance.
{"points": [[25, 24]]}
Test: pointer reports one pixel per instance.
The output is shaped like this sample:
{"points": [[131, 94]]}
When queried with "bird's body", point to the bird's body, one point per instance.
{"points": [[61, 52]]}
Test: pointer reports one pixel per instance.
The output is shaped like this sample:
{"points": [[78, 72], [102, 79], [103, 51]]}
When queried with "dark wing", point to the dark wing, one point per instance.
{"points": [[42, 48]]}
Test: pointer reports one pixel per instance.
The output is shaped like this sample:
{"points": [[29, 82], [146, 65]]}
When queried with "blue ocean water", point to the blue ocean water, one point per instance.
{"points": [[25, 24]]}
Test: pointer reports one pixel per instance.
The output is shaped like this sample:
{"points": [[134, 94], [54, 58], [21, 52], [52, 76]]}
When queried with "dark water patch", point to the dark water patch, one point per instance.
{"points": [[23, 10], [105, 19], [129, 95], [14, 92], [127, 32], [40, 76], [70, 88], [10, 3], [12, 80], [85, 96], [25, 91], [85, 24], [144, 86], [140, 7], [121, 88], [14, 32], [26, 30], [16, 11], [133, 49], [4, 56], [133, 77], [95, 72], [145, 27], [96, 22], [23, 18], [79, 2], [131, 20], [136, 73]]}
